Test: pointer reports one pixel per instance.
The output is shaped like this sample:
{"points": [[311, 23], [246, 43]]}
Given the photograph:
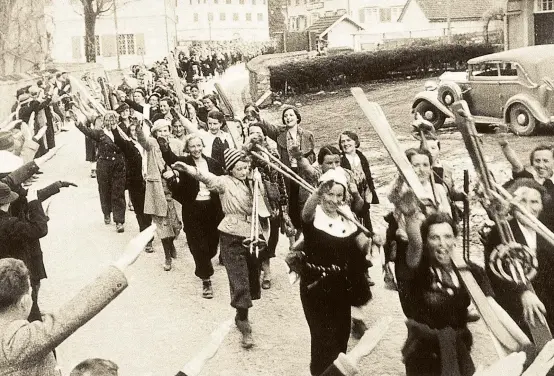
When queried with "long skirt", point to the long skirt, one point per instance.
{"points": [[169, 225]]}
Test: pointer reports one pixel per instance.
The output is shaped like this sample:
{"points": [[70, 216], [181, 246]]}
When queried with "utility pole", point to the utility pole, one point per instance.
{"points": [[448, 21], [116, 34], [166, 27]]}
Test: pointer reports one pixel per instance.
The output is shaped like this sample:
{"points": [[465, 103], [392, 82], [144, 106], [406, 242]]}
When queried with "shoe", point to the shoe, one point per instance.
{"points": [[107, 219], [207, 291], [93, 174], [167, 265], [472, 314], [149, 248], [266, 284], [358, 328], [247, 342], [120, 227]]}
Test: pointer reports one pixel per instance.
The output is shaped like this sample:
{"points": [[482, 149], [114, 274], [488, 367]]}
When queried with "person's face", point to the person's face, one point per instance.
{"points": [[154, 101], [187, 90], [133, 132], [195, 147], [421, 166], [125, 114], [208, 104], [195, 92], [543, 162], [191, 111], [333, 198], [137, 97], [347, 144], [164, 107], [530, 199], [330, 162], [178, 129], [433, 147], [440, 243], [163, 132], [213, 125], [241, 170], [257, 132], [290, 118]]}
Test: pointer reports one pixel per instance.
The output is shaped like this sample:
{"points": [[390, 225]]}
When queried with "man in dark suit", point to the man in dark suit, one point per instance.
{"points": [[522, 304]]}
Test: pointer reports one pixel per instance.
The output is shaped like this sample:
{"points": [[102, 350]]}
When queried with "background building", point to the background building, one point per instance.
{"points": [[530, 22], [146, 31], [220, 20]]}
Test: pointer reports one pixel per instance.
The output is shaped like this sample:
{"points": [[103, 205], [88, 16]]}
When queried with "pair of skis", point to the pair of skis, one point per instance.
{"points": [[506, 333]]}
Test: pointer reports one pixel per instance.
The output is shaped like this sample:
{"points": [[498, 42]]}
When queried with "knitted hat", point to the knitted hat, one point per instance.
{"points": [[6, 194], [9, 162], [231, 157], [6, 140], [159, 124]]}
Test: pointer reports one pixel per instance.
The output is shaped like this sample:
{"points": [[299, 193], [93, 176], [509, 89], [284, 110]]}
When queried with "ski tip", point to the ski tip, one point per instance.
{"points": [[356, 90]]}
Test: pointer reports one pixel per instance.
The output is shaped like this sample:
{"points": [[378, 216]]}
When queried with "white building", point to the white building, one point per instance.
{"points": [[146, 32], [220, 20], [302, 14]]}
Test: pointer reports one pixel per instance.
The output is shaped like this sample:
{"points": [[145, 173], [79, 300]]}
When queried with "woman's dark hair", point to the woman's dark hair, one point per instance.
{"points": [[212, 99], [540, 148], [154, 95], [194, 86], [252, 106], [295, 111], [413, 151], [259, 125], [252, 113], [168, 101], [353, 136], [217, 115], [325, 151], [193, 104]]}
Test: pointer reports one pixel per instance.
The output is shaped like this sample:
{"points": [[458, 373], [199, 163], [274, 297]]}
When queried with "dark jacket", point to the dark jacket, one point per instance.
{"points": [[107, 149], [33, 106], [133, 159], [19, 237], [345, 163], [186, 190]]}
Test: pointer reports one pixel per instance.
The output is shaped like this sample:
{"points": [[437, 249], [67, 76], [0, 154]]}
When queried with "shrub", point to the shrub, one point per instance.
{"points": [[349, 68]]}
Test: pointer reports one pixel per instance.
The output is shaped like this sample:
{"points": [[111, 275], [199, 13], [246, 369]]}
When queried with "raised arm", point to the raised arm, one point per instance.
{"points": [[212, 181], [142, 139], [272, 131], [91, 133]]}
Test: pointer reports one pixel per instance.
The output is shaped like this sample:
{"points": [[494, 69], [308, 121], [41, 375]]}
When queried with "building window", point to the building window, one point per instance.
{"points": [[210, 17], [235, 16], [195, 17], [222, 16], [97, 43], [126, 44], [384, 15], [248, 16], [545, 5], [260, 17], [395, 13]]}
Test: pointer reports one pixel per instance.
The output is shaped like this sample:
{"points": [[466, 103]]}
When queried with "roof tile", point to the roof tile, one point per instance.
{"points": [[436, 10]]}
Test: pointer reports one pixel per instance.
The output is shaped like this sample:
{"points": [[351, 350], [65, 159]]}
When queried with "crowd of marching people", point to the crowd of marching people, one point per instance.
{"points": [[164, 149]]}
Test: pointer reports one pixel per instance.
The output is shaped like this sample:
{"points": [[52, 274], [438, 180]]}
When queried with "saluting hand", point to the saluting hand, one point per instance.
{"points": [[65, 184], [135, 247]]}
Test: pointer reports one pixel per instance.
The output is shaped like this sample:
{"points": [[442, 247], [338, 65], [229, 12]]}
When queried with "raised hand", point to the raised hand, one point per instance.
{"points": [[135, 247], [65, 184], [543, 362], [183, 167]]}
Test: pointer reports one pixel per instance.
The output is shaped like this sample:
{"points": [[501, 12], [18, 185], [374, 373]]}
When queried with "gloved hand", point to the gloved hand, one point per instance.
{"points": [[295, 152], [65, 184], [164, 144]]}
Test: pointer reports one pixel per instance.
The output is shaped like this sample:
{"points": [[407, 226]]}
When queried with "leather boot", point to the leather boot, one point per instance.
{"points": [[244, 327]]}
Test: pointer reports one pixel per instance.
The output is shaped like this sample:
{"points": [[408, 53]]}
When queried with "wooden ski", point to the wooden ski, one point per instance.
{"points": [[540, 332], [507, 333]]}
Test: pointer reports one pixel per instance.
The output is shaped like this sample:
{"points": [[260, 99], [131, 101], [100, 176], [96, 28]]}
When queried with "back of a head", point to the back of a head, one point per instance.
{"points": [[14, 282], [95, 367]]}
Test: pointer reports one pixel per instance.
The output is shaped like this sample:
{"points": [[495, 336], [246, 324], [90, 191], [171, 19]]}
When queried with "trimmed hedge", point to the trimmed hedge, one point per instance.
{"points": [[327, 71]]}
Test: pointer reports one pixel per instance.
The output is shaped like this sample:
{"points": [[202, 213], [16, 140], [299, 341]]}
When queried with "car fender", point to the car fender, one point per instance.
{"points": [[432, 97], [534, 106]]}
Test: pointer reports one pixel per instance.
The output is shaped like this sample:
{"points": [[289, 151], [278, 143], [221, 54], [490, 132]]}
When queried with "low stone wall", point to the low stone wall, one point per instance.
{"points": [[258, 70]]}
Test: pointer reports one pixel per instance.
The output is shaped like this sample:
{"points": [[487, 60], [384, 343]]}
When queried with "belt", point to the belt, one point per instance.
{"points": [[242, 217], [107, 158]]}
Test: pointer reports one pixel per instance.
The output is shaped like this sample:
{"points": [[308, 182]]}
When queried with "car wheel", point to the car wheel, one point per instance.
{"points": [[430, 113], [522, 122], [449, 92]]}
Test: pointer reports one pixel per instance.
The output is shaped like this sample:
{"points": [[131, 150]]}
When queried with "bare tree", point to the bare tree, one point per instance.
{"points": [[91, 10], [493, 14]]}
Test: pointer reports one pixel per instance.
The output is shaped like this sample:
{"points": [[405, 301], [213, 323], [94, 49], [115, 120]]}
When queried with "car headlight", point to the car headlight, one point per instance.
{"points": [[430, 85]]}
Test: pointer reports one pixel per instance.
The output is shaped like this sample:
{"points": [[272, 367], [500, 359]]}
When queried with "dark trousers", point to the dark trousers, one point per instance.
{"points": [[275, 224], [111, 187], [295, 208], [200, 224], [243, 271], [328, 315], [137, 190], [35, 314]]}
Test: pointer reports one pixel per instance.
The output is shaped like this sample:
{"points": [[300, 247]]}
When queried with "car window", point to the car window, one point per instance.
{"points": [[486, 70], [508, 70]]}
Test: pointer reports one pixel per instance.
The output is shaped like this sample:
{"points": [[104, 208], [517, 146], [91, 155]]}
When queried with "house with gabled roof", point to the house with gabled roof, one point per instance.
{"points": [[430, 18], [334, 31]]}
